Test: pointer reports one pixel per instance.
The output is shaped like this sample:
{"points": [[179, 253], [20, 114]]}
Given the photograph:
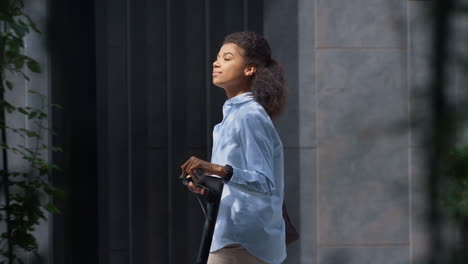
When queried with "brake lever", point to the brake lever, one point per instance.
{"points": [[186, 181]]}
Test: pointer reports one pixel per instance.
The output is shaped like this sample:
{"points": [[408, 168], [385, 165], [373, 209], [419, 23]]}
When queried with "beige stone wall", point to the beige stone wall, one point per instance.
{"points": [[358, 72]]}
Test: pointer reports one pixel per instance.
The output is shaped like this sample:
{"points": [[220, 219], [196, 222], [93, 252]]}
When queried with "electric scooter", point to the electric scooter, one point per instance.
{"points": [[212, 195]]}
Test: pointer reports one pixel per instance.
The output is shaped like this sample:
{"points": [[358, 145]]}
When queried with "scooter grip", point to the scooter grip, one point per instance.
{"points": [[214, 184]]}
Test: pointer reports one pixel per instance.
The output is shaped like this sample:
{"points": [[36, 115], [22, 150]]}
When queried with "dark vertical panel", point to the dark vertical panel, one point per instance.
{"points": [[233, 16], [198, 72], [81, 67], [157, 172], [118, 123], [102, 128], [62, 232], [217, 27], [169, 139], [157, 211], [255, 16], [194, 51], [114, 133], [72, 57], [139, 132], [207, 87], [179, 72], [156, 64], [245, 11]]}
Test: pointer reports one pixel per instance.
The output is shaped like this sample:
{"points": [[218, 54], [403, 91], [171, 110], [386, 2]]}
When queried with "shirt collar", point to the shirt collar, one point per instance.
{"points": [[241, 98]]}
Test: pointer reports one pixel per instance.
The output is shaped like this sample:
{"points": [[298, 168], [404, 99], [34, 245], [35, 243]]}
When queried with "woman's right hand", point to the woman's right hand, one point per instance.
{"points": [[194, 188]]}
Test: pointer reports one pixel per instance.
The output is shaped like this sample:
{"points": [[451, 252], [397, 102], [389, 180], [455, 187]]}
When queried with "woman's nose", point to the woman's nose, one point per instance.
{"points": [[215, 64]]}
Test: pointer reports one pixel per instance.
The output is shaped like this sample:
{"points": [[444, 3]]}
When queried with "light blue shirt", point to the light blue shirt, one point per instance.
{"points": [[250, 212]]}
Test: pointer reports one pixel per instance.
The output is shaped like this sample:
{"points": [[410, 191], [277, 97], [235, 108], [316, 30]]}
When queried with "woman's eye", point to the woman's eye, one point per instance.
{"points": [[227, 59]]}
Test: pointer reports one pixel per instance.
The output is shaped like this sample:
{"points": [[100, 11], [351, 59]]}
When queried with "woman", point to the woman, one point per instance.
{"points": [[247, 154]]}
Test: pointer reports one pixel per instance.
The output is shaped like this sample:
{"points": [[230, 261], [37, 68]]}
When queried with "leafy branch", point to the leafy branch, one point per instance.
{"points": [[27, 191]]}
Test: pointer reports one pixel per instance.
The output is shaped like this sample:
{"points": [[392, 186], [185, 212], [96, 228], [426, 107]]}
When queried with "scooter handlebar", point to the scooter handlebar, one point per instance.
{"points": [[214, 188], [213, 184]]}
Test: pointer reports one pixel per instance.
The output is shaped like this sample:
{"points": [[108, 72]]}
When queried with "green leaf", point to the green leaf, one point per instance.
{"points": [[35, 92], [32, 115], [42, 115], [19, 29], [463, 9], [18, 62], [9, 84], [25, 76], [55, 192], [6, 105], [57, 168], [57, 106], [30, 133], [56, 149], [51, 208], [34, 66], [22, 110], [4, 16], [58, 193], [20, 261], [32, 24]]}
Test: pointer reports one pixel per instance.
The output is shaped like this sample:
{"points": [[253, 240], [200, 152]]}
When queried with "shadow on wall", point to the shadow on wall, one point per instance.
{"points": [[446, 122]]}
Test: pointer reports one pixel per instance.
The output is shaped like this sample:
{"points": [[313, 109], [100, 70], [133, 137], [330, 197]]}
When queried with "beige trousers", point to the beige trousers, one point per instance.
{"points": [[233, 254]]}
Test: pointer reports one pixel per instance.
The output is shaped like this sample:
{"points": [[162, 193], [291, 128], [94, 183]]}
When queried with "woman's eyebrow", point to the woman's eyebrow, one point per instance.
{"points": [[226, 53]]}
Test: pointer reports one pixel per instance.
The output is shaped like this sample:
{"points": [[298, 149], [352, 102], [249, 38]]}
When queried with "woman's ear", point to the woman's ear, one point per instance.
{"points": [[250, 70]]}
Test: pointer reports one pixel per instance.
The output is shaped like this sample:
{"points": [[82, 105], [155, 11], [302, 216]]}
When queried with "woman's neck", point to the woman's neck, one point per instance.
{"points": [[231, 94], [235, 91]]}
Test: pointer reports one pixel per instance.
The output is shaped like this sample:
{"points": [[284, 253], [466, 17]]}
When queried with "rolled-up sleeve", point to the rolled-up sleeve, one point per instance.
{"points": [[255, 138]]}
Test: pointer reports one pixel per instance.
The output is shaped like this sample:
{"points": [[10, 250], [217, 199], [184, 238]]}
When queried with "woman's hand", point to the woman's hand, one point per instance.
{"points": [[189, 167], [194, 163]]}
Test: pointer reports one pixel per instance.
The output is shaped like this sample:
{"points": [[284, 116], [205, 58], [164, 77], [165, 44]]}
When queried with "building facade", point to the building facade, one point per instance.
{"points": [[134, 79]]}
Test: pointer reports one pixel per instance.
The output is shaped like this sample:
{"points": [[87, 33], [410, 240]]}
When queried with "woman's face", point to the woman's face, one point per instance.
{"points": [[229, 68]]}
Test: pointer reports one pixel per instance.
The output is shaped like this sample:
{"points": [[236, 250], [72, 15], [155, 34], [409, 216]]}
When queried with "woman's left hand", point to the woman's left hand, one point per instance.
{"points": [[194, 163]]}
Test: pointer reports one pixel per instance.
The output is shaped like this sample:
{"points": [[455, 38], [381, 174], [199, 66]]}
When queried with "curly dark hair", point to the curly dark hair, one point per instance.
{"points": [[268, 84]]}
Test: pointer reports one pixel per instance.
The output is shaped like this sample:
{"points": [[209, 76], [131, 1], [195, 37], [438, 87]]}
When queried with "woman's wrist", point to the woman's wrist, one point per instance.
{"points": [[221, 171]]}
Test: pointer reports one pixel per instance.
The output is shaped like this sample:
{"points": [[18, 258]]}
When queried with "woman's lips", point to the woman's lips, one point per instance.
{"points": [[216, 73]]}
